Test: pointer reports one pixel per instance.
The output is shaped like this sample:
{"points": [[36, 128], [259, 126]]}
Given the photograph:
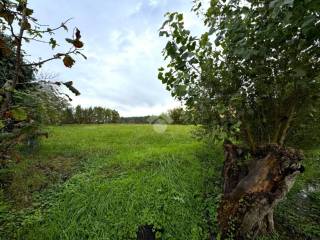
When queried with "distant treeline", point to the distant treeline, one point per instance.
{"points": [[89, 115], [100, 115], [135, 120], [173, 116]]}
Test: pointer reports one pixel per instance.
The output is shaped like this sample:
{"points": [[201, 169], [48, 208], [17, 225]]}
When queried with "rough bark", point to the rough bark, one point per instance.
{"points": [[253, 185]]}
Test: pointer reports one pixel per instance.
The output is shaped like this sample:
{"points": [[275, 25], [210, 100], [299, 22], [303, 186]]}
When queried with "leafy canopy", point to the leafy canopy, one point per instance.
{"points": [[254, 73]]}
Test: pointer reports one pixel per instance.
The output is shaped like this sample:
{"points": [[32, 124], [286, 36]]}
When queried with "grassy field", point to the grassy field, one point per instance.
{"points": [[126, 176], [104, 181]]}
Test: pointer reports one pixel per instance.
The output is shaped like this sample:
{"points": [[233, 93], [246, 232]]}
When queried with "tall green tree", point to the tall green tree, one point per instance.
{"points": [[252, 76], [68, 116], [115, 116], [78, 115], [177, 115]]}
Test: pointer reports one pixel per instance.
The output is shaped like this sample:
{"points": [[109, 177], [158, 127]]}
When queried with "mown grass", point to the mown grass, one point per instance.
{"points": [[104, 181]]}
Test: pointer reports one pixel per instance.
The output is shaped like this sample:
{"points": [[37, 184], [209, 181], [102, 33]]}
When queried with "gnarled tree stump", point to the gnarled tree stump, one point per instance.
{"points": [[253, 185]]}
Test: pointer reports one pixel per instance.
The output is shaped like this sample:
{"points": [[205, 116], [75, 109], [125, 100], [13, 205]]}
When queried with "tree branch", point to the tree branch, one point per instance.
{"points": [[62, 25], [286, 126], [57, 56]]}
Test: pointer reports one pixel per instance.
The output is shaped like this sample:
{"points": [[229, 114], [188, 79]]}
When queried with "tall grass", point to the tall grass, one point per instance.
{"points": [[104, 181], [132, 176]]}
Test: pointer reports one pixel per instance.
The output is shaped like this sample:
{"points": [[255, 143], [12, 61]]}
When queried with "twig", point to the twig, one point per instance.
{"points": [[57, 56]]}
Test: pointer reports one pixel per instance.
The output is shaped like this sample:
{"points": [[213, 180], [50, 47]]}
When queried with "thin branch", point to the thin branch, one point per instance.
{"points": [[57, 28], [44, 61], [57, 56], [195, 68], [38, 24], [41, 81], [34, 39], [286, 126], [248, 134], [19, 45], [12, 31]]}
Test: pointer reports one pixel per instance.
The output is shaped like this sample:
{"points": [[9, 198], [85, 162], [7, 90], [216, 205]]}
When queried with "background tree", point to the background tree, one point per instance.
{"points": [[177, 115], [253, 76], [115, 116], [78, 114], [68, 116]]}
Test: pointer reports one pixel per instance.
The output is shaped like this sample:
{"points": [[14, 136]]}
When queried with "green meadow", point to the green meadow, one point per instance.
{"points": [[104, 181]]}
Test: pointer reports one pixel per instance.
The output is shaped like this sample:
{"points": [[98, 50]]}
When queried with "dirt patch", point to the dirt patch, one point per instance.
{"points": [[35, 175], [112, 171]]}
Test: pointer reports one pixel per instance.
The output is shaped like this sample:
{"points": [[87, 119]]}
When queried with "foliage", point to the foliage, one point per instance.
{"points": [[177, 115], [90, 115], [51, 105], [254, 73], [21, 94], [306, 134], [8, 63]]}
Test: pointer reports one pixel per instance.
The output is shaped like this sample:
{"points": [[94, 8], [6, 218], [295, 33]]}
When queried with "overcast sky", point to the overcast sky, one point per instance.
{"points": [[123, 50]]}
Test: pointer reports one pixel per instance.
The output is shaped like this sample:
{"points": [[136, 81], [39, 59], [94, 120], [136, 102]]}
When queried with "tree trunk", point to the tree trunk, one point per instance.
{"points": [[253, 185]]}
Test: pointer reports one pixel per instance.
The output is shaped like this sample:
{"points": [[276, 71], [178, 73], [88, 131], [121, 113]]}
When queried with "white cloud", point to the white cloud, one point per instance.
{"points": [[154, 3], [126, 75], [123, 50]]}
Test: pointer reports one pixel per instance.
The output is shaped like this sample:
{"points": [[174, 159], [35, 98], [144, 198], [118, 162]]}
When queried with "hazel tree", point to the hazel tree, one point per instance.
{"points": [[252, 76]]}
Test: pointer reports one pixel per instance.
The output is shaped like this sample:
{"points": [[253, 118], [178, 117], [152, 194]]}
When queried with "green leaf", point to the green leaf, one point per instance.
{"points": [[171, 48], [80, 53], [181, 90], [300, 72], [308, 21], [29, 11], [1, 124], [160, 77], [53, 43], [69, 40], [162, 33], [64, 27], [204, 40], [180, 17], [19, 114]]}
